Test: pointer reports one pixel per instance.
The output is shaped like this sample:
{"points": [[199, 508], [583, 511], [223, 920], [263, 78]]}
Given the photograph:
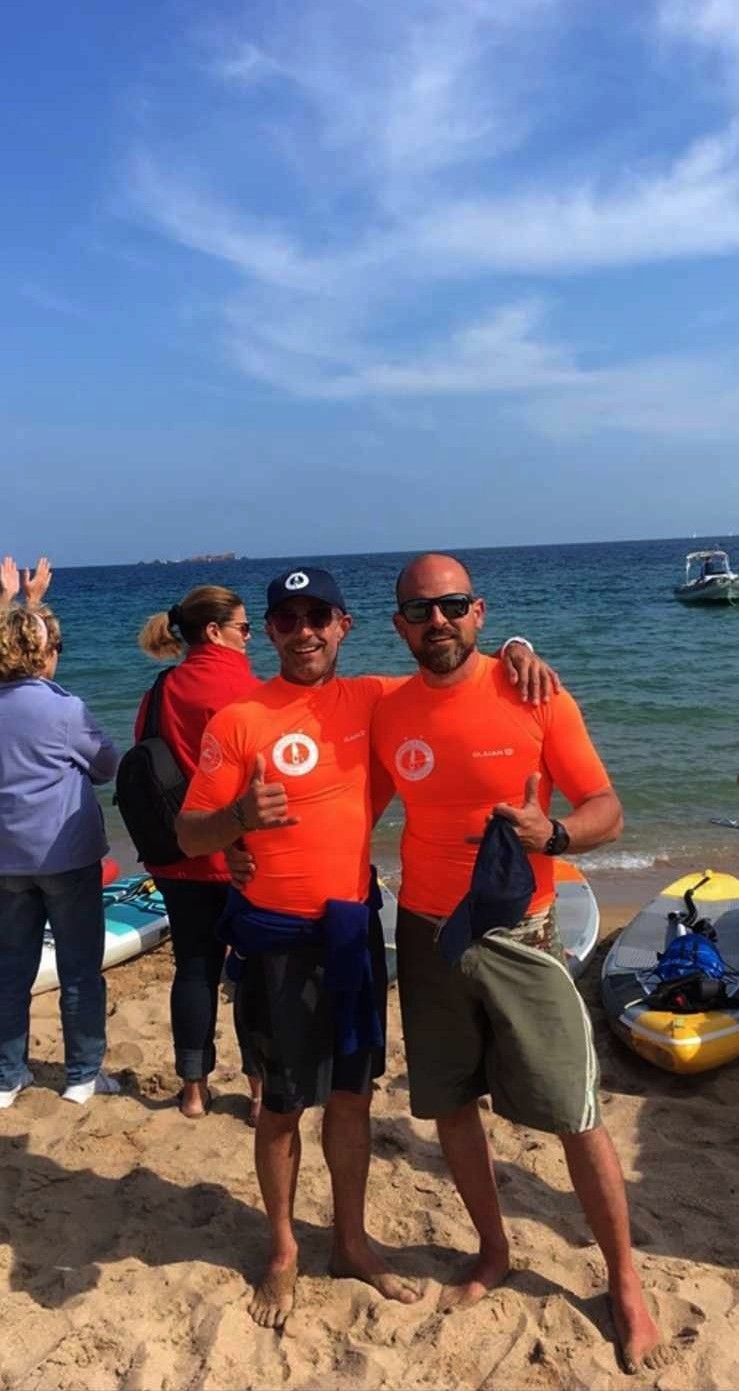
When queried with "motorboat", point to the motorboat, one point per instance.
{"points": [[709, 579]]}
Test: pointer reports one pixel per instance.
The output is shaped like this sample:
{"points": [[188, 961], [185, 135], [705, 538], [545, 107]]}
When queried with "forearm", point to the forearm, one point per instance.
{"points": [[204, 832], [595, 822]]}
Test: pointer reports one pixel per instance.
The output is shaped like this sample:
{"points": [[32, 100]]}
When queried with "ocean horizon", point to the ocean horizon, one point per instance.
{"points": [[655, 680]]}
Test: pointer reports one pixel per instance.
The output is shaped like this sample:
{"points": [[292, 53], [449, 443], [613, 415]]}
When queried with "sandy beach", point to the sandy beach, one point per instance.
{"points": [[131, 1237]]}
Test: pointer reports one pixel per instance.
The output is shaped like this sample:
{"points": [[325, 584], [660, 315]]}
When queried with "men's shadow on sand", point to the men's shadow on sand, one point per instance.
{"points": [[63, 1224]]}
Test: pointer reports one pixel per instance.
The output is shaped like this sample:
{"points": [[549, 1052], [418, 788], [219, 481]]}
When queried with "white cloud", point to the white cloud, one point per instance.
{"points": [[52, 301], [714, 23], [383, 276]]}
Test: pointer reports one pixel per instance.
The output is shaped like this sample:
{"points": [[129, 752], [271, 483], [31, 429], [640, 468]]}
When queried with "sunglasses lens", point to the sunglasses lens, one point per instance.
{"points": [[320, 617], [455, 607], [416, 610]]}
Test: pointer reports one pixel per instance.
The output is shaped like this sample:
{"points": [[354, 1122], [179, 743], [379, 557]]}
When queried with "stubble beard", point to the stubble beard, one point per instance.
{"points": [[442, 660]]}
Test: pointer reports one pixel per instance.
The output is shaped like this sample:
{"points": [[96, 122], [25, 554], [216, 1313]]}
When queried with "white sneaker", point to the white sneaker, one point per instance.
{"points": [[102, 1085], [7, 1097]]}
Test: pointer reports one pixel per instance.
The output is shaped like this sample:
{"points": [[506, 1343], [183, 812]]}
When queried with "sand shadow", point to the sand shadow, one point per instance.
{"points": [[63, 1224]]}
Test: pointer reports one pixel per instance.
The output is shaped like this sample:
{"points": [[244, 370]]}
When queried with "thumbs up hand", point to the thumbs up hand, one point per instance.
{"points": [[263, 806], [531, 824]]}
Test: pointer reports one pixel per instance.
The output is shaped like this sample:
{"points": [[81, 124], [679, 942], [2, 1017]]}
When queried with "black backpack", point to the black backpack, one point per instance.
{"points": [[150, 788]]}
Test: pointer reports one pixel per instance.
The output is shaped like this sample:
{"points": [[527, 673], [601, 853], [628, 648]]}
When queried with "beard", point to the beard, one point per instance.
{"points": [[443, 659]]}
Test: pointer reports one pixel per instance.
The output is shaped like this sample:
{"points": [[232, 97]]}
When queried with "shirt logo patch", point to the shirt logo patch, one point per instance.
{"points": [[414, 760], [295, 755], [297, 580], [211, 754]]}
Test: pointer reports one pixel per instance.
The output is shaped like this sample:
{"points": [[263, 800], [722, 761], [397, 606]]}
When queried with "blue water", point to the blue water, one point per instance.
{"points": [[657, 681]]}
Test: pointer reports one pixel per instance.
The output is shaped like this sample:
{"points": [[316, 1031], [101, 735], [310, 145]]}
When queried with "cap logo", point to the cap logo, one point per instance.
{"points": [[297, 580], [295, 755], [414, 760]]}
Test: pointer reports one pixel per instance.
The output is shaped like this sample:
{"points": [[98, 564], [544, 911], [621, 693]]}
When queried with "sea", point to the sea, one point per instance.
{"points": [[657, 681]]}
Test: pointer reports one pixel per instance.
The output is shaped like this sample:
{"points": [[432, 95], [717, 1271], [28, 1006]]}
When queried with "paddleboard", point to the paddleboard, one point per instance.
{"points": [[135, 921], [683, 1043], [578, 919]]}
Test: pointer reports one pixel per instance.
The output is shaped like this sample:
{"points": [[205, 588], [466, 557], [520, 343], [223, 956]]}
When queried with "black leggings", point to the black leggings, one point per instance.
{"points": [[194, 909]]}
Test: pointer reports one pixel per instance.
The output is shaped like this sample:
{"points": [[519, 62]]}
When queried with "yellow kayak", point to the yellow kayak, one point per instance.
{"points": [[677, 1042]]}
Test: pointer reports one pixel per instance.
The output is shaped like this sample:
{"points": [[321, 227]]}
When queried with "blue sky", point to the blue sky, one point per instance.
{"points": [[291, 277]]}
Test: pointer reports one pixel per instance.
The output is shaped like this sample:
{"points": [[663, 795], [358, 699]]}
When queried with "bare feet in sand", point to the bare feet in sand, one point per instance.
{"points": [[363, 1263], [489, 1269], [637, 1334], [194, 1099], [275, 1298]]}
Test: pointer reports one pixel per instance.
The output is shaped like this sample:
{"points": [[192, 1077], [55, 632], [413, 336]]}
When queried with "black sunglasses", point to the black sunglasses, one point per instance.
{"points": [[287, 620], [244, 628], [450, 605]]}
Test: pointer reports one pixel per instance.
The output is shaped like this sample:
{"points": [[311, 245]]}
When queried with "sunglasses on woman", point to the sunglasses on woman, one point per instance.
{"points": [[287, 620], [244, 628], [450, 605]]}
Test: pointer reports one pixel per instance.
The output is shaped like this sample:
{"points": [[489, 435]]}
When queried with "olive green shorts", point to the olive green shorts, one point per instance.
{"points": [[507, 1020]]}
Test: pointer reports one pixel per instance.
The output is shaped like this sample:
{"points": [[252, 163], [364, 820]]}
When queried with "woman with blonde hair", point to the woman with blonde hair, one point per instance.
{"points": [[210, 627], [52, 840]]}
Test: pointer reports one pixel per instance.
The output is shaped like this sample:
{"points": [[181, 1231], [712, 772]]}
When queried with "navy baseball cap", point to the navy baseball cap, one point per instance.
{"points": [[305, 582], [500, 891]]}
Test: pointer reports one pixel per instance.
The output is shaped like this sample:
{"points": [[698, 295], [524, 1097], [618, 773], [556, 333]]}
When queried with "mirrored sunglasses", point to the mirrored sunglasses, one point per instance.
{"points": [[450, 605]]}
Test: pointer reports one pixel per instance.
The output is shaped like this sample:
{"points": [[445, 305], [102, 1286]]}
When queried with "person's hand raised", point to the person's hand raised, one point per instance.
{"points": [[9, 580], [36, 587]]}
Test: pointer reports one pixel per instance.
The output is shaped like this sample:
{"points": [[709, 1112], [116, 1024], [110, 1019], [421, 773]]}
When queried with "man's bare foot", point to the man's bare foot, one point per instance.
{"points": [[637, 1335], [363, 1263], [489, 1269], [275, 1298], [194, 1099]]}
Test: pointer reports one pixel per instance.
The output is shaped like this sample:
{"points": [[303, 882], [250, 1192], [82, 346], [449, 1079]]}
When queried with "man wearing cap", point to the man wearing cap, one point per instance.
{"points": [[293, 764], [488, 1004]]}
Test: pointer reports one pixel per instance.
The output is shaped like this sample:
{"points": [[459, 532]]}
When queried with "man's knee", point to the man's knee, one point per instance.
{"points": [[354, 1103], [461, 1120], [273, 1123]]}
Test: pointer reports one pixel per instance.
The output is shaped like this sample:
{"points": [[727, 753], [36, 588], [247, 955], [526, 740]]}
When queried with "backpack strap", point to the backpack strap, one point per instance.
{"points": [[153, 709]]}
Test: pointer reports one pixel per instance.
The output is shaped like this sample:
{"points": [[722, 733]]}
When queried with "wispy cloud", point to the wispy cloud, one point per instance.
{"points": [[51, 301], [403, 169]]}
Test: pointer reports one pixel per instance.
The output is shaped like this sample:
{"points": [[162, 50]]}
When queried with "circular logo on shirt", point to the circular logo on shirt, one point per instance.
{"points": [[414, 760], [295, 755], [297, 580], [211, 754]]}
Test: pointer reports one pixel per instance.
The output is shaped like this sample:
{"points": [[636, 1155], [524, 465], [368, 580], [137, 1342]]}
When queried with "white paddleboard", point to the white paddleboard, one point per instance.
{"points": [[578, 919], [135, 921]]}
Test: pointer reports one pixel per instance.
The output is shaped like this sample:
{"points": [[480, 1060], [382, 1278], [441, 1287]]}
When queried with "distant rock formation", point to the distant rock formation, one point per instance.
{"points": [[207, 559]]}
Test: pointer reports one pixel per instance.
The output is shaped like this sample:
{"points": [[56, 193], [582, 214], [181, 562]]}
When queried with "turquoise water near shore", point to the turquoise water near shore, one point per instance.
{"points": [[657, 682]]}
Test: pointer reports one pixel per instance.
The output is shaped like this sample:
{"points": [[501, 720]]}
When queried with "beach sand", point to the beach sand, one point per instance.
{"points": [[132, 1237]]}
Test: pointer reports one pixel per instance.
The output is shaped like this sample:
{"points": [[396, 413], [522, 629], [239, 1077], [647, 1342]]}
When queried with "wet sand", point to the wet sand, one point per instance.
{"points": [[131, 1237]]}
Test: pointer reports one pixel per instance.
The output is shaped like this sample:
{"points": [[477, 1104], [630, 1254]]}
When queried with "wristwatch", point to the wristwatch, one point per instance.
{"points": [[558, 840]]}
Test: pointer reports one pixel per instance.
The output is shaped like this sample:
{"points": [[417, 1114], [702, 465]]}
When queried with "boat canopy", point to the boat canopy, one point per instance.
{"points": [[711, 563]]}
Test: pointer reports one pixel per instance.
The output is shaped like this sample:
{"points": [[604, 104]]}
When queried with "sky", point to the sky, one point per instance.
{"points": [[307, 276]]}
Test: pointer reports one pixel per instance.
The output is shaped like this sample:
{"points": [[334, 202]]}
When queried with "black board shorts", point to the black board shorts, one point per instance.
{"points": [[285, 1025]]}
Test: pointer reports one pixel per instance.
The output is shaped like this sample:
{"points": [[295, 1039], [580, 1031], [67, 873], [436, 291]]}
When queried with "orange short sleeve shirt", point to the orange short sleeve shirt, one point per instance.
{"points": [[454, 752], [316, 742]]}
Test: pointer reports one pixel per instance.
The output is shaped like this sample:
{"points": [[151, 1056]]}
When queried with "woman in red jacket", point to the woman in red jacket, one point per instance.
{"points": [[211, 627]]}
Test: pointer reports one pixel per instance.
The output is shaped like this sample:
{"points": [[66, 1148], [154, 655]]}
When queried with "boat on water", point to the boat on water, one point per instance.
{"points": [[709, 579]]}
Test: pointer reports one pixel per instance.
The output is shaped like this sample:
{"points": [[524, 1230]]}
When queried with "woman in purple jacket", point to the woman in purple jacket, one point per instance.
{"points": [[52, 840]]}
